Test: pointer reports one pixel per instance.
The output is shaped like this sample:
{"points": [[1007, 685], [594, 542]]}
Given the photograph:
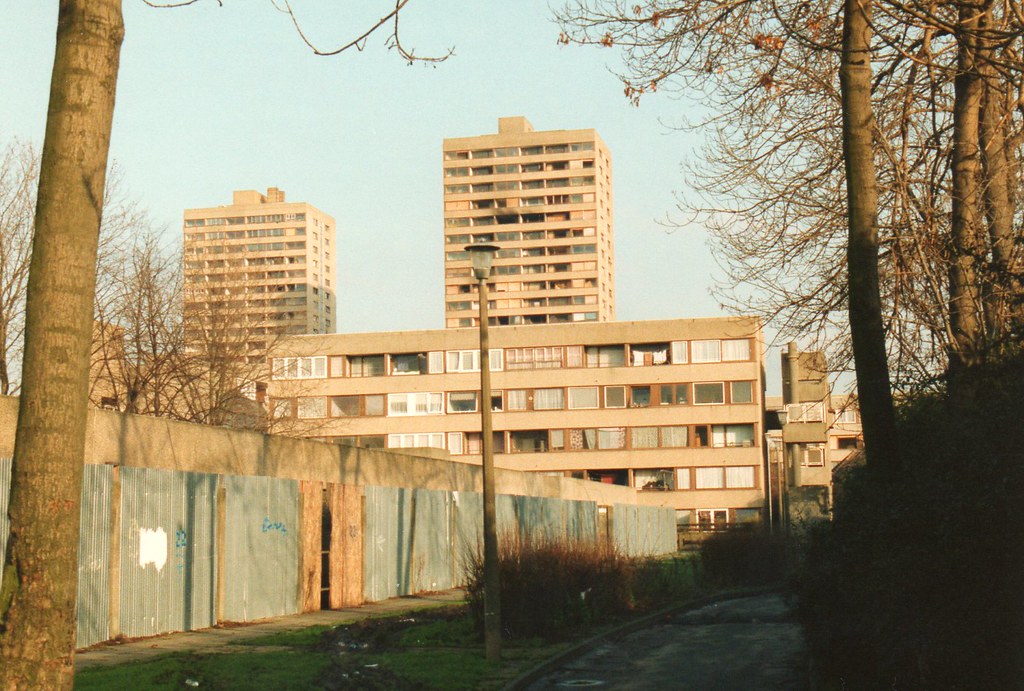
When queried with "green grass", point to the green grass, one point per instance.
{"points": [[264, 672]]}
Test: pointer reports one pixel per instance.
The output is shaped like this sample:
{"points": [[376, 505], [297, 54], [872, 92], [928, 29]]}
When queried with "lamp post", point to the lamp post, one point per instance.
{"points": [[483, 255]]}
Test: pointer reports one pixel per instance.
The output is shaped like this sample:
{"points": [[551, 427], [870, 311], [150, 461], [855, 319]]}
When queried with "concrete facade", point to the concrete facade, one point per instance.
{"points": [[672, 409], [546, 199], [260, 267]]}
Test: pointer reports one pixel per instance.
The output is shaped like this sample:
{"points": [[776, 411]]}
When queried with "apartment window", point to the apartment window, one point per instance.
{"points": [[739, 478], [805, 412], [455, 445], [528, 441], [282, 408], [606, 356], [847, 416], [300, 367], [400, 404], [344, 406], [732, 435], [710, 478], [615, 397], [679, 353], [557, 438], [462, 402], [533, 358], [736, 349], [712, 519], [312, 406], [366, 365], [548, 399], [706, 351], [435, 362], [434, 440], [649, 354], [409, 363], [653, 479], [469, 360], [583, 439], [709, 393], [639, 396], [611, 438], [814, 456], [675, 394], [675, 436], [741, 392], [683, 482], [700, 436], [584, 397], [515, 399], [644, 438], [373, 405]]}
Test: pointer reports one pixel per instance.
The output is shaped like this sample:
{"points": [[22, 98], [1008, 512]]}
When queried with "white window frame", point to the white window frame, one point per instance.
{"points": [[575, 391], [476, 402], [680, 353], [435, 362], [617, 386], [305, 367], [813, 456], [434, 440], [682, 478], [469, 360], [456, 443], [432, 401], [703, 383], [813, 411]]}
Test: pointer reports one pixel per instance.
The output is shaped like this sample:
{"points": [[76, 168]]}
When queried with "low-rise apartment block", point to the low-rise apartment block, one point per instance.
{"points": [[673, 408]]}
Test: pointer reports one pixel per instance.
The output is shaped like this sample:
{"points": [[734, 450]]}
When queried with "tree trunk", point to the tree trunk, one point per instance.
{"points": [[964, 294], [866, 328], [40, 576]]}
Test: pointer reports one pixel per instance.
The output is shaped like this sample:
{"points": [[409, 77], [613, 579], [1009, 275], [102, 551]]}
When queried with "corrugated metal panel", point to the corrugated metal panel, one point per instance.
{"points": [[261, 550], [507, 523], [624, 529], [5, 497], [94, 556], [168, 533], [387, 568], [432, 540], [581, 521], [469, 531]]}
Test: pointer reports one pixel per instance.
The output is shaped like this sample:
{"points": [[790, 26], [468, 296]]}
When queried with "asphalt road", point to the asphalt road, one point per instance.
{"points": [[746, 644]]}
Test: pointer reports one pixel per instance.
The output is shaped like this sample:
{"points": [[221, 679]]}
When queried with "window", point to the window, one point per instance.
{"points": [[435, 362], [528, 441], [557, 437], [847, 443], [736, 349], [462, 402], [549, 399], [611, 438], [344, 406], [366, 365], [683, 482], [282, 408], [409, 363], [455, 440], [639, 396], [805, 412], [709, 393], [469, 360], [679, 354], [606, 356], [675, 394], [515, 399], [700, 436], [614, 397], [414, 404], [846, 416], [653, 479], [712, 519], [741, 392], [433, 440], [649, 354], [584, 397], [710, 478], [300, 367], [814, 455], [706, 351], [644, 438], [533, 358], [739, 478], [732, 435], [675, 437], [373, 405], [312, 406]]}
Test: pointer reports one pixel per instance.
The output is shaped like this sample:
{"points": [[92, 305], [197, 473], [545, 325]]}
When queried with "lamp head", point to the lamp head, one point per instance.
{"points": [[482, 255]]}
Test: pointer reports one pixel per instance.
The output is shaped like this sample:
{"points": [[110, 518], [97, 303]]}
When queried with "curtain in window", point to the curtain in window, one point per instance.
{"points": [[574, 356], [644, 438], [706, 351], [737, 349], [611, 438], [548, 399], [739, 477], [674, 436], [515, 399], [583, 397], [683, 479], [710, 478], [455, 443]]}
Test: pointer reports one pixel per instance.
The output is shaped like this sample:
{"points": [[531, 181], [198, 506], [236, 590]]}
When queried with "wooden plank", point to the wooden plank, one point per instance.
{"points": [[346, 504], [311, 506]]}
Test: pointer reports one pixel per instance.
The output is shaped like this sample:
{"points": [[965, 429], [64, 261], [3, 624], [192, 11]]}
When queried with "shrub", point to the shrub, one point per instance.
{"points": [[551, 588], [742, 558]]}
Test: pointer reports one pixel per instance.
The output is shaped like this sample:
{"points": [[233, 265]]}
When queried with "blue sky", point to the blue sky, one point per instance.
{"points": [[212, 99]]}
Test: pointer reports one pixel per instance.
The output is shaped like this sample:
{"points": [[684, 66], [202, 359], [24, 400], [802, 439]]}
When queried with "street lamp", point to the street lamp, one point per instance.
{"points": [[483, 255]]}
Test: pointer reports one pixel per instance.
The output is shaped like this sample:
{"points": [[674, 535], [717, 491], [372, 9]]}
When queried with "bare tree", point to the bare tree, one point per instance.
{"points": [[19, 170]]}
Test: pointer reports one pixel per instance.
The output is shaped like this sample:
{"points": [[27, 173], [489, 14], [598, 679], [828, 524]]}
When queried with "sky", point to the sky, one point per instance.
{"points": [[217, 98]]}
